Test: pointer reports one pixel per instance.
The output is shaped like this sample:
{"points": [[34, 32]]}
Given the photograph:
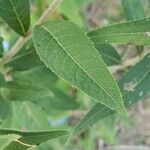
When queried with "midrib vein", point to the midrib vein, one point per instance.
{"points": [[117, 34], [18, 17]]}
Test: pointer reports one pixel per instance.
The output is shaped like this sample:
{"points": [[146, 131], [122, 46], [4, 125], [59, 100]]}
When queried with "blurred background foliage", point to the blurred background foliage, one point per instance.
{"points": [[68, 105]]}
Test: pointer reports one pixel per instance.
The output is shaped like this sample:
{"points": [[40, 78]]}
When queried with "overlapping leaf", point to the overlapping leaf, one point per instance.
{"points": [[134, 86], [133, 9], [23, 91], [108, 53], [16, 13], [67, 51], [130, 32], [33, 118], [30, 139], [25, 59], [40, 75], [5, 140], [43, 77], [71, 10]]}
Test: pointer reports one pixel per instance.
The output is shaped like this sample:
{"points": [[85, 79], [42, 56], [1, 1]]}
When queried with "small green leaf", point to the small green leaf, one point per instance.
{"points": [[43, 77], [61, 101], [40, 75], [5, 140], [133, 9], [33, 118], [25, 59], [130, 32], [134, 86], [109, 54], [30, 139], [73, 57], [70, 8], [23, 91], [16, 13]]}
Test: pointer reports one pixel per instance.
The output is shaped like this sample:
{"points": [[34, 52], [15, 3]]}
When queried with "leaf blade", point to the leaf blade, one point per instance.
{"points": [[24, 91], [5, 140], [133, 9], [32, 138], [99, 112], [129, 32], [16, 14], [81, 60]]}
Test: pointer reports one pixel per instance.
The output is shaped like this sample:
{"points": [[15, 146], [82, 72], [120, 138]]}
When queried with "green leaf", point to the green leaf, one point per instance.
{"points": [[33, 118], [134, 86], [4, 109], [30, 139], [16, 13], [25, 59], [61, 101], [23, 91], [72, 56], [5, 140], [70, 8], [43, 77], [130, 32], [108, 53], [133, 9], [39, 75]]}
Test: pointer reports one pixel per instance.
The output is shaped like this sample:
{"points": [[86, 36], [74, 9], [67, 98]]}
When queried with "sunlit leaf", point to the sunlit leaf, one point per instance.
{"points": [[33, 118], [23, 91], [31, 139], [109, 54], [130, 32]]}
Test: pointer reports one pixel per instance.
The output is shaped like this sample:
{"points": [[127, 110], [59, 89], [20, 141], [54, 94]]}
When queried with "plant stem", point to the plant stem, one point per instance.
{"points": [[22, 40]]}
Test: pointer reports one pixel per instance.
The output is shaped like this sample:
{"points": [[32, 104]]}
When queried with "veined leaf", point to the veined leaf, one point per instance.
{"points": [[29, 139], [70, 8], [40, 75], [130, 32], [16, 14], [72, 56], [5, 140], [109, 54], [33, 118], [25, 59], [43, 77], [134, 86], [22, 91], [133, 9]]}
